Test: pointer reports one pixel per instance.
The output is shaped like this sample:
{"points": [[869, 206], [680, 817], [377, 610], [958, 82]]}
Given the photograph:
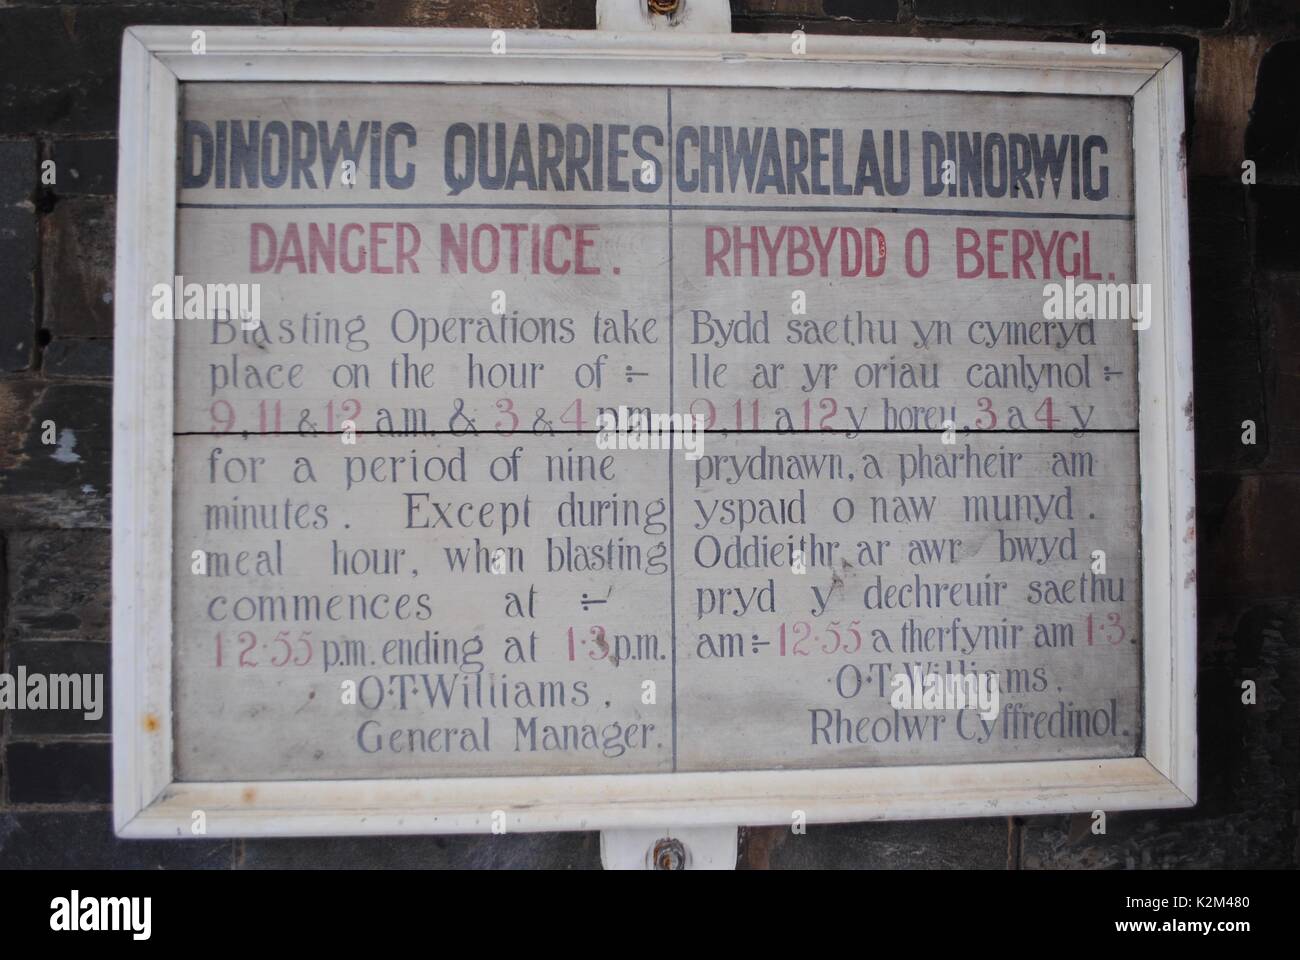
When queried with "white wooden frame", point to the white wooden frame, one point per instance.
{"points": [[149, 802]]}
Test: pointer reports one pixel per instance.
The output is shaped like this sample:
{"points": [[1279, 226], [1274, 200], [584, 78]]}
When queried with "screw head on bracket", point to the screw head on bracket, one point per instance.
{"points": [[663, 7], [667, 854]]}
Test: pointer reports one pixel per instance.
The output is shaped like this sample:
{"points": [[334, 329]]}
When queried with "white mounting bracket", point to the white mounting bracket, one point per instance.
{"points": [[690, 848], [686, 848], [690, 16]]}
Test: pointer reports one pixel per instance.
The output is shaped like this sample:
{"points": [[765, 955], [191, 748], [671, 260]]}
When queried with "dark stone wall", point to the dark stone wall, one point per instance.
{"points": [[58, 101]]}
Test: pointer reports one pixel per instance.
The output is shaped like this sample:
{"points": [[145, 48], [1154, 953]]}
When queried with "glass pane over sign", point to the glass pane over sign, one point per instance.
{"points": [[420, 533]]}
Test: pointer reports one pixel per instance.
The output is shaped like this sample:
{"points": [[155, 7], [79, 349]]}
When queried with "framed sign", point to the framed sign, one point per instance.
{"points": [[547, 431]]}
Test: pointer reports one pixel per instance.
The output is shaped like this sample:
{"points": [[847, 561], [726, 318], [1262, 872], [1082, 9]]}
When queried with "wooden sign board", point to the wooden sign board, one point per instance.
{"points": [[387, 559]]}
